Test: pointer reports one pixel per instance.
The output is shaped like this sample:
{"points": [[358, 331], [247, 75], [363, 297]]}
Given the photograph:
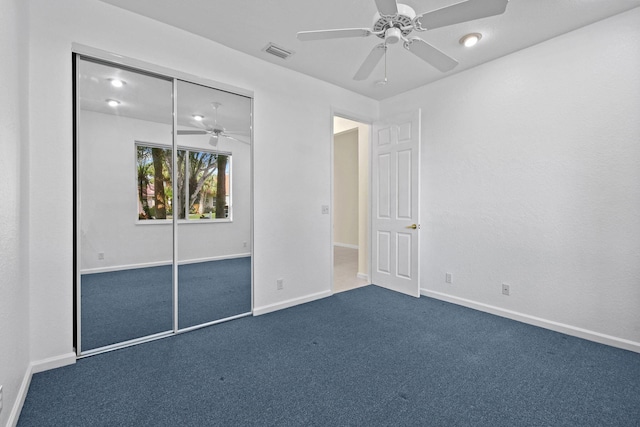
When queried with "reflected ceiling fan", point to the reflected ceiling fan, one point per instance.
{"points": [[216, 131], [394, 22]]}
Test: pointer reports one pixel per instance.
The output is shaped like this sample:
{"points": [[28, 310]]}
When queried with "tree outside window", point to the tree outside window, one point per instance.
{"points": [[203, 184]]}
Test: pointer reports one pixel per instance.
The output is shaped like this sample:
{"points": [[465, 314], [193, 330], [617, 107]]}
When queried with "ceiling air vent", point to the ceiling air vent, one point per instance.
{"points": [[277, 51]]}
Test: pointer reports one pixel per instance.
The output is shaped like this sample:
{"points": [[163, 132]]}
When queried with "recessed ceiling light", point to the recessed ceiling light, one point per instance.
{"points": [[198, 117], [470, 39], [117, 83], [113, 102]]}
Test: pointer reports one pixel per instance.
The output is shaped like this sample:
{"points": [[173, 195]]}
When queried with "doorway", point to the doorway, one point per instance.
{"points": [[350, 178]]}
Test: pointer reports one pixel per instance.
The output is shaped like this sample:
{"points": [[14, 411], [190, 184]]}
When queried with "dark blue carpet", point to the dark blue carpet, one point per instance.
{"points": [[366, 357], [123, 305]]}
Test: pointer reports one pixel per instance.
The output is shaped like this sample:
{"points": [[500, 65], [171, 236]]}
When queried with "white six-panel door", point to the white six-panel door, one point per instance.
{"points": [[395, 203]]}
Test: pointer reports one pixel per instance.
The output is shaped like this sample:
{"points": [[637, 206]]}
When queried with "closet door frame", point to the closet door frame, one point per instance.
{"points": [[80, 52]]}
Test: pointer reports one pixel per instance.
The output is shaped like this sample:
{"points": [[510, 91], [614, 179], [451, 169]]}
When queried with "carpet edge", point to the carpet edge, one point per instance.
{"points": [[14, 415], [563, 328], [257, 311]]}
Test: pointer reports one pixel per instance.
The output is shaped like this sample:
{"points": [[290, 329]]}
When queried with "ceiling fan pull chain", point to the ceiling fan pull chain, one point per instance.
{"points": [[385, 63]]}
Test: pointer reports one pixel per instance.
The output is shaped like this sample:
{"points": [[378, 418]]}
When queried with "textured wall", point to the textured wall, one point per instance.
{"points": [[14, 292], [109, 204], [530, 168], [291, 236]]}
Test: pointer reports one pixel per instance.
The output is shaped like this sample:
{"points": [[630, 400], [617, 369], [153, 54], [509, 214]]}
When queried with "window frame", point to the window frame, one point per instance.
{"points": [[186, 148]]}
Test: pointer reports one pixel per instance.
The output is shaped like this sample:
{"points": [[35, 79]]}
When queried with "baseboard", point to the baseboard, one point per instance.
{"points": [[160, 263], [20, 398], [33, 368], [290, 303], [53, 362], [363, 276], [346, 245], [215, 258], [537, 321]]}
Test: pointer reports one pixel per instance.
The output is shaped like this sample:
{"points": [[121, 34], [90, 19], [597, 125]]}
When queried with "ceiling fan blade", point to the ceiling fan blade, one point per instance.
{"points": [[462, 12], [192, 132], [431, 55], [370, 62], [387, 7], [238, 132], [333, 34], [224, 135]]}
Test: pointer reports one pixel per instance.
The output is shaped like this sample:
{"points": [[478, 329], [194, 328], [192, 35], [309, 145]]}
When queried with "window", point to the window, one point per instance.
{"points": [[153, 165], [203, 186]]}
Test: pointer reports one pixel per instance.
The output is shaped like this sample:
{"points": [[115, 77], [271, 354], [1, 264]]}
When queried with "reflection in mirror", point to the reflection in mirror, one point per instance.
{"points": [[214, 272], [125, 290], [155, 195], [163, 225]]}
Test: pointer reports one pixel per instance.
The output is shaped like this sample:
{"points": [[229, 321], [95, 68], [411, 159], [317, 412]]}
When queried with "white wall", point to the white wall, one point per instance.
{"points": [[345, 188], [530, 173], [14, 296], [530, 176], [109, 203], [288, 194]]}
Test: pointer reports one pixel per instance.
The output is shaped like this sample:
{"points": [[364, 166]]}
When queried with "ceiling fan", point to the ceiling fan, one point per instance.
{"points": [[394, 22], [216, 131]]}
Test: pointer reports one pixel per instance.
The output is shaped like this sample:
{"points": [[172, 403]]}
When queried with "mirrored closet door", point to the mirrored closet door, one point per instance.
{"points": [[163, 205], [214, 199]]}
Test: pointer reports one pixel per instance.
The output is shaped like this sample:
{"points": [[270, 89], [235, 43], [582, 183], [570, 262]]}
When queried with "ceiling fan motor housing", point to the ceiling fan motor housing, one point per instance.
{"points": [[404, 18]]}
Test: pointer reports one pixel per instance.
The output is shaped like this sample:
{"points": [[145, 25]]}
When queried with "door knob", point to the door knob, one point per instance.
{"points": [[413, 226]]}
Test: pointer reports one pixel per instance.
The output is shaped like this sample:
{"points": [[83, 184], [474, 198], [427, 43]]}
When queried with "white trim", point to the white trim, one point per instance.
{"points": [[346, 245], [215, 258], [125, 344], [214, 322], [161, 263], [363, 276], [290, 303], [147, 222], [14, 415], [53, 362], [34, 368], [537, 321]]}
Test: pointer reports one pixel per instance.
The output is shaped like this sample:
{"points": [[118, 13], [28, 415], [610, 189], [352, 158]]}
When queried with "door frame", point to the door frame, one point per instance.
{"points": [[369, 123]]}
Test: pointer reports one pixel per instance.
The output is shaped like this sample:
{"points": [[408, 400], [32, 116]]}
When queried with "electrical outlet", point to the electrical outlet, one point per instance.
{"points": [[325, 209], [505, 289], [100, 255], [244, 244], [448, 278], [280, 284]]}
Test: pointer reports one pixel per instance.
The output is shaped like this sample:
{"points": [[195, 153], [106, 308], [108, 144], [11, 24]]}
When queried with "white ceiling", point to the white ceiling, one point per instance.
{"points": [[150, 98], [248, 25]]}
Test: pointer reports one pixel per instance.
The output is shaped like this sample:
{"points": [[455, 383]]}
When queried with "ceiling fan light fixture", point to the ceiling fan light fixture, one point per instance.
{"points": [[112, 103], [470, 39], [198, 117], [392, 35]]}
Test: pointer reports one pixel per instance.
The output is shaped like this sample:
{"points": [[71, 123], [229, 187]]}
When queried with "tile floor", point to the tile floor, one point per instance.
{"points": [[345, 269]]}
